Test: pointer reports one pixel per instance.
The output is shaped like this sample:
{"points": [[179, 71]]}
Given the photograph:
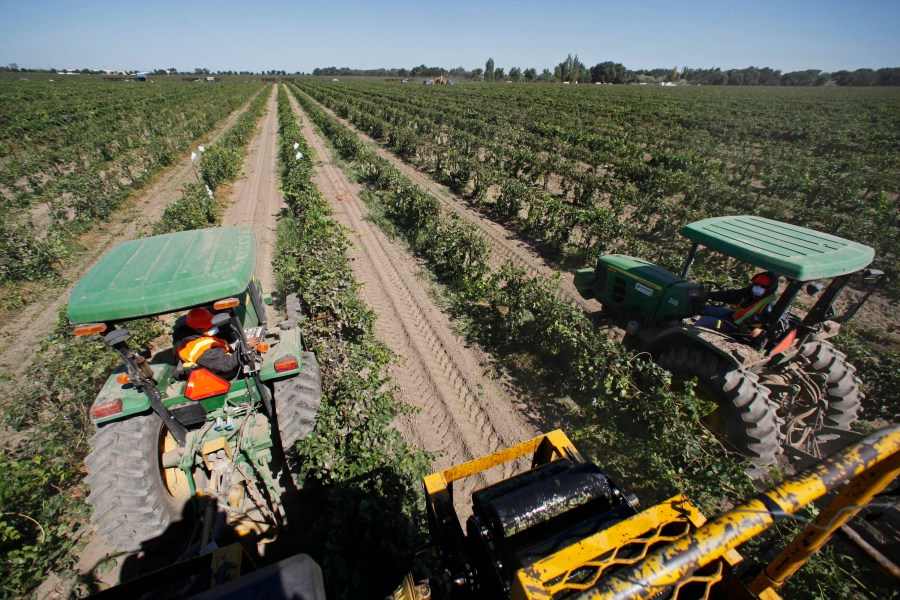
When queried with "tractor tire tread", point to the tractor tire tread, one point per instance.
{"points": [[297, 401], [842, 388], [744, 402], [131, 504]]}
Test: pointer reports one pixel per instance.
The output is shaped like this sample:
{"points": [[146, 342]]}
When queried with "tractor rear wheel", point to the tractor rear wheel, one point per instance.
{"points": [[842, 391], [135, 499], [743, 417], [297, 401]]}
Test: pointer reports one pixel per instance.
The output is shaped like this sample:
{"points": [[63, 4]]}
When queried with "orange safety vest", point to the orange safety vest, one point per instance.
{"points": [[192, 350], [742, 314]]}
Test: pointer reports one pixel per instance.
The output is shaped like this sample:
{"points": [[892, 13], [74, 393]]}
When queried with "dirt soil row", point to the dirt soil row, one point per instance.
{"points": [[463, 413], [504, 244]]}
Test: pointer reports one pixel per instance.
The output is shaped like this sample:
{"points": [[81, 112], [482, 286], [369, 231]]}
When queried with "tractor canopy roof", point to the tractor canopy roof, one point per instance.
{"points": [[165, 273], [789, 250]]}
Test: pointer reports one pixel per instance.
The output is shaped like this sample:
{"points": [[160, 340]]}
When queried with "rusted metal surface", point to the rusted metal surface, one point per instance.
{"points": [[624, 543], [869, 463], [852, 498]]}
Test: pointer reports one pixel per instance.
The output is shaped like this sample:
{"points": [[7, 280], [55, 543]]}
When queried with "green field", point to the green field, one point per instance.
{"points": [[594, 156], [578, 171]]}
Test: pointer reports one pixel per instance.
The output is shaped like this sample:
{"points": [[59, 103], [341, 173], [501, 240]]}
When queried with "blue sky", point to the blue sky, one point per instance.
{"points": [[298, 36]]}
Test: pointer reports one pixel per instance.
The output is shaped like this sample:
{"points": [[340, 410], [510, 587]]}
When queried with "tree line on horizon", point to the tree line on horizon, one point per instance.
{"points": [[573, 70], [569, 70]]}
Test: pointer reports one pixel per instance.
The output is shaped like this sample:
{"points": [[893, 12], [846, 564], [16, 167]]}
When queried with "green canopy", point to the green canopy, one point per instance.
{"points": [[795, 252], [165, 273]]}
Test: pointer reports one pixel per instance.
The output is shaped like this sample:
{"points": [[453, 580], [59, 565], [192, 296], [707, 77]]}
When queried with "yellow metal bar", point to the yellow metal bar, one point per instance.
{"points": [[673, 562], [845, 506], [533, 582], [557, 439]]}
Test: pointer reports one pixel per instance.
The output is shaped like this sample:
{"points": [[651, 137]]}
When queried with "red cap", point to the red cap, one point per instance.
{"points": [[199, 318], [764, 279]]}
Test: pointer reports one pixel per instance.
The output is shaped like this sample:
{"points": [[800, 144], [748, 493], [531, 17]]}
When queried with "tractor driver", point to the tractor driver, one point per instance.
{"points": [[751, 305], [198, 345]]}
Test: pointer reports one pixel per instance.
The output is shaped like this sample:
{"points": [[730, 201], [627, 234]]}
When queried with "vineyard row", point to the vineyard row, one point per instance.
{"points": [[588, 173]]}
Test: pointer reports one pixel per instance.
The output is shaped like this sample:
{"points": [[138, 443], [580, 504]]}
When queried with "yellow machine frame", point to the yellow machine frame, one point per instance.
{"points": [[700, 553]]}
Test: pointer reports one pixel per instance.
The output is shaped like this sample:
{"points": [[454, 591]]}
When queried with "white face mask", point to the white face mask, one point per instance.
{"points": [[758, 290]]}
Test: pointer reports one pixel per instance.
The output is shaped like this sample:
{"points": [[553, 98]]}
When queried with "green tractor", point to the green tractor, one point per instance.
{"points": [[780, 386], [169, 434]]}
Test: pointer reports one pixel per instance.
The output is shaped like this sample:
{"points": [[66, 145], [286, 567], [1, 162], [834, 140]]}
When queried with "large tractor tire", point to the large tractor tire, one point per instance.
{"points": [[135, 499], [842, 391], [744, 416], [297, 401]]}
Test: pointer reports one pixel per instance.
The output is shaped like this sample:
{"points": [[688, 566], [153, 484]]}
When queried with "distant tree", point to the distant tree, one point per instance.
{"points": [[808, 77], [425, 71], [499, 74], [489, 70], [888, 76], [608, 72], [572, 69], [476, 73], [13, 67], [515, 73], [530, 74], [769, 76], [735, 77], [201, 71], [838, 77], [750, 76], [857, 77], [713, 76], [546, 76], [557, 73]]}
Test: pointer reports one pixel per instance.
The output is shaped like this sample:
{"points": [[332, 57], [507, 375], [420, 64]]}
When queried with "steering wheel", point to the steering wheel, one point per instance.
{"points": [[713, 286]]}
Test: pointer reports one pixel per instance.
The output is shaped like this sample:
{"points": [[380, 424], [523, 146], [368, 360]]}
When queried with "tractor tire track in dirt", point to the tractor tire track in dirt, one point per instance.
{"points": [[256, 198], [503, 243], [463, 414]]}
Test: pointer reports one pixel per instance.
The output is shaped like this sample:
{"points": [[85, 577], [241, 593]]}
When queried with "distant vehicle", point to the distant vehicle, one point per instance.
{"points": [[335, 80]]}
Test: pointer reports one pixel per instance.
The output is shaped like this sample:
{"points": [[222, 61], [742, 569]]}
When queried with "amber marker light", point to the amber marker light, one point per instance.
{"points": [[226, 303], [89, 329], [123, 379], [262, 347], [106, 408], [287, 362]]}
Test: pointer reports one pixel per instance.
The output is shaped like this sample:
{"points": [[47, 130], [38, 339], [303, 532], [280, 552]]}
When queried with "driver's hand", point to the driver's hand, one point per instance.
{"points": [[253, 342]]}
